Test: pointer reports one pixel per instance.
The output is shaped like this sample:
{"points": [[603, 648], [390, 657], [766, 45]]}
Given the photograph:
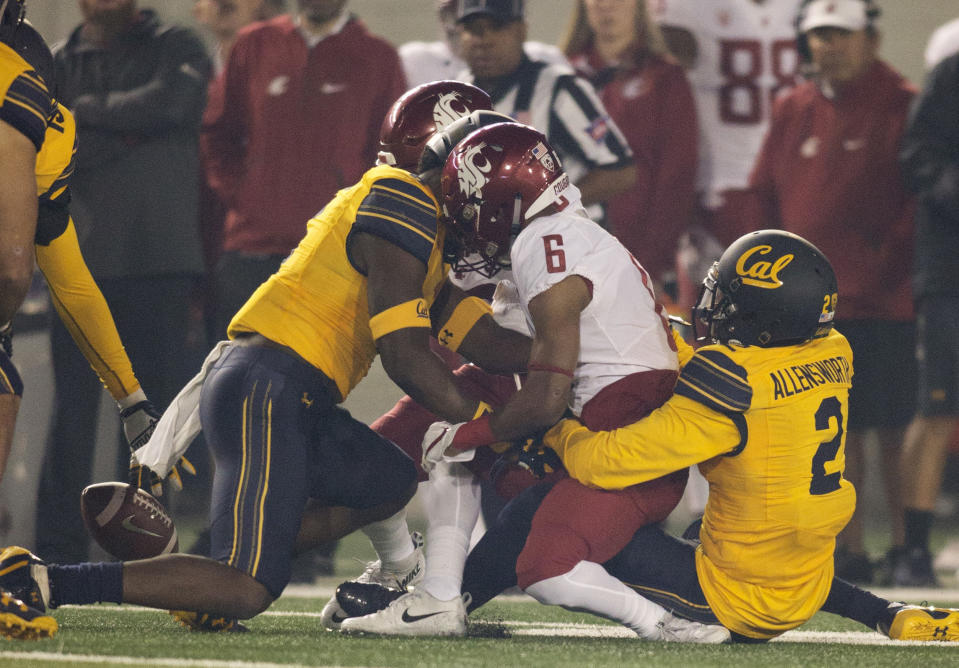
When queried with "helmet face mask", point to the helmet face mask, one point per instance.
{"points": [[769, 288], [494, 181]]}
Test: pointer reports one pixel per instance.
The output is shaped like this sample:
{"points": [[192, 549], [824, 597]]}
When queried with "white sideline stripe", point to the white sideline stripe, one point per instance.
{"points": [[586, 630], [152, 661]]}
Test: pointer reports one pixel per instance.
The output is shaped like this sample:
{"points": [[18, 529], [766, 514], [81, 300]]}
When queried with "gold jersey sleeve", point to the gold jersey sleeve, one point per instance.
{"points": [[85, 313], [316, 303], [74, 293], [767, 426], [57, 156]]}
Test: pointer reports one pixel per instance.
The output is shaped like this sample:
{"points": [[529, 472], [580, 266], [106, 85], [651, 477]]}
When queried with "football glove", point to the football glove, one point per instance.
{"points": [[441, 435], [540, 460], [139, 421], [6, 338], [438, 438]]}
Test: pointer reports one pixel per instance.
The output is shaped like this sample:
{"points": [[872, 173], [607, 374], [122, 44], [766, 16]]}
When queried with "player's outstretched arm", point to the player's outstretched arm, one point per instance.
{"points": [[400, 322], [465, 325]]}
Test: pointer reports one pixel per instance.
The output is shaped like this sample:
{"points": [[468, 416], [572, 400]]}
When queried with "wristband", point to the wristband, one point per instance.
{"points": [[414, 313], [464, 317], [474, 433]]}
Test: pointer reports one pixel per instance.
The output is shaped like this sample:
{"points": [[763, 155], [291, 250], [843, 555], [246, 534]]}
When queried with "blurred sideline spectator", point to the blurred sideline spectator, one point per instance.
{"points": [[137, 89], [434, 61], [930, 163], [303, 99], [740, 55], [615, 45], [550, 98], [828, 171], [222, 19]]}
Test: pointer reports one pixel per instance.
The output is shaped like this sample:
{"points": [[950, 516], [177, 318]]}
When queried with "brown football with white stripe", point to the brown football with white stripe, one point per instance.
{"points": [[127, 522]]}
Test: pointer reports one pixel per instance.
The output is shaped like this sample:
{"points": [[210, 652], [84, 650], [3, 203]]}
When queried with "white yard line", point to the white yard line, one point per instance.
{"points": [[150, 661]]}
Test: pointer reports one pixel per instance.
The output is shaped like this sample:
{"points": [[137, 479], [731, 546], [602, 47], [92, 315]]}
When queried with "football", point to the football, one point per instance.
{"points": [[126, 521]]}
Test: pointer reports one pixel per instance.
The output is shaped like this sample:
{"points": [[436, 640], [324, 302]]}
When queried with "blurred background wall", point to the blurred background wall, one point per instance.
{"points": [[905, 24]]}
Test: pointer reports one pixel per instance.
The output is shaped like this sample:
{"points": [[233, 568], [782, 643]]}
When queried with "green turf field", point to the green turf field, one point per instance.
{"points": [[512, 631]]}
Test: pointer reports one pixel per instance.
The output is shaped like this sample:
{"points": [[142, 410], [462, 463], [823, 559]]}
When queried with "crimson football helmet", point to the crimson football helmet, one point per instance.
{"points": [[769, 288], [421, 112], [494, 181]]}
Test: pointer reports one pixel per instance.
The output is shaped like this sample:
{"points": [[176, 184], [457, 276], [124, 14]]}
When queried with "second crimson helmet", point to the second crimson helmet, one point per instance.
{"points": [[494, 181], [421, 112]]}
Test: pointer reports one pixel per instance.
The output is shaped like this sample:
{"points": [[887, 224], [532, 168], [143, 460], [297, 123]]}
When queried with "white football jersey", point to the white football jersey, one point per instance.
{"points": [[746, 57], [621, 330]]}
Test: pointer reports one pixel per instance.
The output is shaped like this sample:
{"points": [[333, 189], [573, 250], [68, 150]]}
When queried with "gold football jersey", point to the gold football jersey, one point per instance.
{"points": [[25, 102], [768, 425], [316, 302]]}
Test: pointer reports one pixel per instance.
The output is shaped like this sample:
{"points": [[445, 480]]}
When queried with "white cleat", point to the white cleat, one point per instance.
{"points": [[404, 577], [415, 614], [332, 615], [676, 629]]}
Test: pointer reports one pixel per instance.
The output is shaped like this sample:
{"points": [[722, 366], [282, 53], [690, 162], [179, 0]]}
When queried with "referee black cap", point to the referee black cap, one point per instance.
{"points": [[502, 11]]}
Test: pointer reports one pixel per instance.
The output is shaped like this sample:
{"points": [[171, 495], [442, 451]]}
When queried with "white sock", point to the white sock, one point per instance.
{"points": [[588, 587], [452, 504], [390, 539]]}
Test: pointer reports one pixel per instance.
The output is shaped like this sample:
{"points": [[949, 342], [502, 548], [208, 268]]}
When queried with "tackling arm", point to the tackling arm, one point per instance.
{"points": [[18, 218], [545, 393], [395, 277], [483, 341], [680, 433]]}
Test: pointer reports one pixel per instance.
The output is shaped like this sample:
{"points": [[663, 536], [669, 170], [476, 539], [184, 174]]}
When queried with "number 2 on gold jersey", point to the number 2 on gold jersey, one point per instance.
{"points": [[822, 482]]}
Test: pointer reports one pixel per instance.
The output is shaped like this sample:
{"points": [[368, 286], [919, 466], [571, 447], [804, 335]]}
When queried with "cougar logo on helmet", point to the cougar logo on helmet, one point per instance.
{"points": [[761, 273], [472, 175], [449, 107]]}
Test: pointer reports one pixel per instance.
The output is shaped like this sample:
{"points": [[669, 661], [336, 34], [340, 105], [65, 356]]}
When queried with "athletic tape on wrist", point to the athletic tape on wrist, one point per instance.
{"points": [[464, 317], [414, 313]]}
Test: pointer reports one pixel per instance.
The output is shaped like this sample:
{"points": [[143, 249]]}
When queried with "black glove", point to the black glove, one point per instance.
{"points": [[6, 338], [540, 460]]}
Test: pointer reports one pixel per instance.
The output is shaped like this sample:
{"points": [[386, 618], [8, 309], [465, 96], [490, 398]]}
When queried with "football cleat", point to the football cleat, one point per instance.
{"points": [[202, 621], [364, 598], [19, 620], [912, 622], [402, 578], [24, 575], [415, 614], [676, 629]]}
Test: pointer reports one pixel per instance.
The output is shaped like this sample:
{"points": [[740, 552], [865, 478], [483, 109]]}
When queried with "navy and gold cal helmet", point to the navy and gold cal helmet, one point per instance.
{"points": [[769, 288]]}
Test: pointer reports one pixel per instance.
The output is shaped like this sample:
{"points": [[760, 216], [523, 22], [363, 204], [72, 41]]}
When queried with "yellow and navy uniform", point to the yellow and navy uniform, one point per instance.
{"points": [[27, 107], [26, 102], [316, 302], [768, 425]]}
